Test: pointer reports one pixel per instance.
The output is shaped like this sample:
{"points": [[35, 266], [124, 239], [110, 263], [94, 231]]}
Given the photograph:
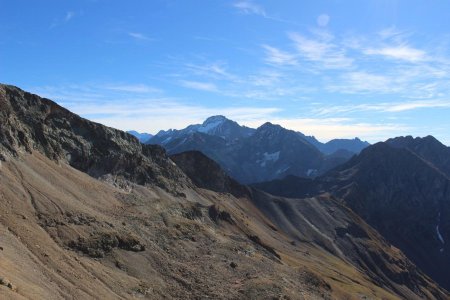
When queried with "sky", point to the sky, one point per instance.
{"points": [[329, 68]]}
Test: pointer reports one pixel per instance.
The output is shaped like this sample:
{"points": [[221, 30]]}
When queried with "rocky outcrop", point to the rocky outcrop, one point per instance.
{"points": [[31, 123]]}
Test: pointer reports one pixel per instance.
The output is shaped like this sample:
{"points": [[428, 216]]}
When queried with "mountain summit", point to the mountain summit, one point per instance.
{"points": [[222, 127], [218, 126]]}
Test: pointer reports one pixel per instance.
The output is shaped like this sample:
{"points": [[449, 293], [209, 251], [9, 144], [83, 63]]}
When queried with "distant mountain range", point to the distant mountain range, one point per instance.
{"points": [[142, 137], [253, 155]]}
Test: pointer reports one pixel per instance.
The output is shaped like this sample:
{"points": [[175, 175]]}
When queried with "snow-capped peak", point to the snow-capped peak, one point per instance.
{"points": [[211, 123]]}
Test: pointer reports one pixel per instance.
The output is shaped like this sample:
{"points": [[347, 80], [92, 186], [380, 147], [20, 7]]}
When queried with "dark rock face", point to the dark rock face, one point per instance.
{"points": [[405, 199], [207, 174], [428, 148], [210, 145], [291, 186], [102, 244], [31, 123], [403, 196], [273, 152], [218, 215]]}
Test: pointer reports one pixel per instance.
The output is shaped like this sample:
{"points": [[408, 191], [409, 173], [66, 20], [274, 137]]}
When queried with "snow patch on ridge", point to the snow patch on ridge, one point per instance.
{"points": [[209, 127], [282, 170], [311, 172], [272, 156], [268, 157], [211, 123]]}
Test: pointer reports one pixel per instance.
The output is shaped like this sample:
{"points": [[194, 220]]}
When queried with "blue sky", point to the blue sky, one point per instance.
{"points": [[336, 68]]}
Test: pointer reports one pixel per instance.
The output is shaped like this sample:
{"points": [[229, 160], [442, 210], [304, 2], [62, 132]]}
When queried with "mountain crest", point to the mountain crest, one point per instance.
{"points": [[215, 119], [269, 127], [31, 123]]}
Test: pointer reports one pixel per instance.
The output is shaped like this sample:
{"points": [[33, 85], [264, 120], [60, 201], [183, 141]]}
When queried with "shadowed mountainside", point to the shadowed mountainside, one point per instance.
{"points": [[403, 196]]}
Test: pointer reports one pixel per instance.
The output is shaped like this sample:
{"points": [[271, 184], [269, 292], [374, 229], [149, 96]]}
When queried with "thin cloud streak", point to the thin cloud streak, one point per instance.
{"points": [[133, 88], [325, 53], [139, 36], [249, 7], [201, 86], [402, 52], [326, 129], [276, 56], [387, 107]]}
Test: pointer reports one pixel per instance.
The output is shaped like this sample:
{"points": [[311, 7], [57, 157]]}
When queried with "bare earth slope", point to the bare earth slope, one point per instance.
{"points": [[144, 230]]}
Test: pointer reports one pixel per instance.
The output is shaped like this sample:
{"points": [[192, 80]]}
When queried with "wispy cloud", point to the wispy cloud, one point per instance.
{"points": [[215, 70], [362, 82], [390, 107], [385, 63], [398, 107], [250, 7], [69, 16], [217, 76], [198, 85], [394, 34], [321, 50], [402, 52], [139, 36], [265, 78], [133, 88], [278, 57]]}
